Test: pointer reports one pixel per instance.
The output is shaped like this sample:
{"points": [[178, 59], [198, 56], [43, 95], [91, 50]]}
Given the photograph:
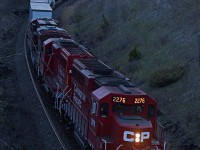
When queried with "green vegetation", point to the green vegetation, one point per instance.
{"points": [[166, 76], [104, 24], [78, 18], [134, 54]]}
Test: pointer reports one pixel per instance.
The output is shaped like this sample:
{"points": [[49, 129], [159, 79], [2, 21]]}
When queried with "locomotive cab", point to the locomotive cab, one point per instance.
{"points": [[122, 120]]}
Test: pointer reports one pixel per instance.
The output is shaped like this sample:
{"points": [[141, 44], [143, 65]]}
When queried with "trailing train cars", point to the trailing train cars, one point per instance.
{"points": [[107, 111], [41, 30], [50, 2], [39, 10]]}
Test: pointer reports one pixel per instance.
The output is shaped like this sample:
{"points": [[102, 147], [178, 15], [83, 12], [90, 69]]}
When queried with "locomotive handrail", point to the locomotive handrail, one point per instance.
{"points": [[159, 131], [119, 146], [48, 67], [101, 135], [104, 142], [164, 144]]}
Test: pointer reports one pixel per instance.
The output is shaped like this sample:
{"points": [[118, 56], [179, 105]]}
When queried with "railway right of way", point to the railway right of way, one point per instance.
{"points": [[53, 134]]}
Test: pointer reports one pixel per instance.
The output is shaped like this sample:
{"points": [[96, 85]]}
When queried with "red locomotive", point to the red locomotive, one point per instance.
{"points": [[41, 30], [107, 111]]}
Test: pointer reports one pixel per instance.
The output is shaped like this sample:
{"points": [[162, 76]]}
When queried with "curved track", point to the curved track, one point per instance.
{"points": [[69, 143], [39, 97]]}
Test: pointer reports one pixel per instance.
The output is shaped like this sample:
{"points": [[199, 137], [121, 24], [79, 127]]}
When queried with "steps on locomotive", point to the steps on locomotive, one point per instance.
{"points": [[52, 83]]}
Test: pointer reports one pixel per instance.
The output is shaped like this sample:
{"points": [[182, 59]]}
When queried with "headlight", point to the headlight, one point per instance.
{"points": [[137, 139]]}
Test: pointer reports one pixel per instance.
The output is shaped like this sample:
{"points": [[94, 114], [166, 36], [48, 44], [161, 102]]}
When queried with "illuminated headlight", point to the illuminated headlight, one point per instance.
{"points": [[137, 139]]}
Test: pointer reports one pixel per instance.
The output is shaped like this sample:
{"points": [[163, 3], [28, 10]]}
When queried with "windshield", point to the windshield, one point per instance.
{"points": [[128, 109]]}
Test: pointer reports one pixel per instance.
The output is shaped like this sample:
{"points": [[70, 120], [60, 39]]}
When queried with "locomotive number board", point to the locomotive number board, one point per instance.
{"points": [[118, 99], [139, 100]]}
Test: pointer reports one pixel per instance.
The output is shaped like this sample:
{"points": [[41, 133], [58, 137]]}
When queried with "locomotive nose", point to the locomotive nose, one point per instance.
{"points": [[133, 132]]}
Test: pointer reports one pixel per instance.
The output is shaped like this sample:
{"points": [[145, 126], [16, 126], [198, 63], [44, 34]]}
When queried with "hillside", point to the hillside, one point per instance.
{"points": [[155, 43]]}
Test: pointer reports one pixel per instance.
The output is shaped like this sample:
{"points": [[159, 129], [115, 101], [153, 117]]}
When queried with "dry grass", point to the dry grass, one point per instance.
{"points": [[70, 16], [166, 34], [1, 90], [2, 106]]}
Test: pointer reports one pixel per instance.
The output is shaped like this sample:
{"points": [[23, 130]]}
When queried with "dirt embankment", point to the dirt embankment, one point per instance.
{"points": [[23, 124], [155, 44]]}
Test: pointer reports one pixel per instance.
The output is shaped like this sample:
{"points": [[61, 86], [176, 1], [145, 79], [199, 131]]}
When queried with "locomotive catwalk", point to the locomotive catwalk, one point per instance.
{"points": [[105, 108]]}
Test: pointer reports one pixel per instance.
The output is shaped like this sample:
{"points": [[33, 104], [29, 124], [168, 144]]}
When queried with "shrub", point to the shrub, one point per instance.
{"points": [[78, 18], [134, 54], [104, 24], [166, 76]]}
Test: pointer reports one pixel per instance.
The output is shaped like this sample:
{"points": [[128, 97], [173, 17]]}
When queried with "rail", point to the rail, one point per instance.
{"points": [[39, 97], [6, 144]]}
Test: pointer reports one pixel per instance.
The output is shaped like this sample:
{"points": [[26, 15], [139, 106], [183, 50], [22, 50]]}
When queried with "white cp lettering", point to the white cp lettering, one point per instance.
{"points": [[144, 135], [128, 136]]}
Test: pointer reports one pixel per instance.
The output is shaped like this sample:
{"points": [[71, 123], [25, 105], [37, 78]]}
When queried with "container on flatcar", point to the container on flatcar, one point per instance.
{"points": [[50, 2], [39, 10]]}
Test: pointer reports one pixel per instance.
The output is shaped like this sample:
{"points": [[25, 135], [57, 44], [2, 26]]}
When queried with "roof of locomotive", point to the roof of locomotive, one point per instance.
{"points": [[47, 21], [40, 1], [50, 28], [106, 90], [71, 46], [103, 74], [45, 30]]}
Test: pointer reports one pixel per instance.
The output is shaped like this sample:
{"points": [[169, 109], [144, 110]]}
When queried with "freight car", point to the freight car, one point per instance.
{"points": [[107, 111], [40, 30], [39, 10], [50, 2]]}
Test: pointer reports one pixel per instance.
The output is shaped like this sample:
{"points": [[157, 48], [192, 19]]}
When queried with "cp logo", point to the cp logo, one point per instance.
{"points": [[130, 136]]}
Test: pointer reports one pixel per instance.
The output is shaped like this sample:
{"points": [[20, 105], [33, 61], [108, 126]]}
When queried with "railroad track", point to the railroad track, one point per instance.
{"points": [[67, 145], [39, 97]]}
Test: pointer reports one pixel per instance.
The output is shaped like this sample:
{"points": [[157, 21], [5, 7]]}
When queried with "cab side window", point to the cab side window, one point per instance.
{"points": [[104, 109], [151, 111], [48, 51]]}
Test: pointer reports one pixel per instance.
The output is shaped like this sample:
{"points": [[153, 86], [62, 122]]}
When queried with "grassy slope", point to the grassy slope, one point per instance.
{"points": [[166, 33]]}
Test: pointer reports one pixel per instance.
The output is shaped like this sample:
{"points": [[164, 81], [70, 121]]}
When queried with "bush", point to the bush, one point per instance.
{"points": [[78, 18], [104, 24], [166, 76], [134, 54]]}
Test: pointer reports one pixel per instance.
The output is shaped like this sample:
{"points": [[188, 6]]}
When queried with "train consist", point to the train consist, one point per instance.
{"points": [[107, 111]]}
